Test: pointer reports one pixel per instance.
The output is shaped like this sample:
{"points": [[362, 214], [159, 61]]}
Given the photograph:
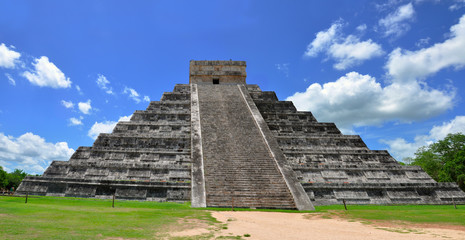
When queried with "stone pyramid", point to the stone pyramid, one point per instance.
{"points": [[220, 142]]}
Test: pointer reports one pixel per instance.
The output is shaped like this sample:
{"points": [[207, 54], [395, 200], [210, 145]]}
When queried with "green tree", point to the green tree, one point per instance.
{"points": [[3, 178], [15, 178], [444, 160]]}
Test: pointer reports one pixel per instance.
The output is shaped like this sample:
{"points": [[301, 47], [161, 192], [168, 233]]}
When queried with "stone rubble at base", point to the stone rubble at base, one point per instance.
{"points": [[240, 146]]}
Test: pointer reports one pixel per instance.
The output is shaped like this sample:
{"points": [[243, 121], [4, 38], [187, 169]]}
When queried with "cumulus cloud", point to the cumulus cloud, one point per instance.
{"points": [[456, 125], [401, 148], [105, 127], [8, 58], [396, 23], [10, 79], [103, 83], [134, 95], [31, 152], [352, 52], [67, 104], [324, 39], [407, 65], [74, 121], [346, 51], [359, 100], [46, 74], [85, 107]]}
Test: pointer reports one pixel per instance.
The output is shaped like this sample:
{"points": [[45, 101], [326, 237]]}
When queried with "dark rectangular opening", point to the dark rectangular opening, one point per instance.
{"points": [[216, 81]]}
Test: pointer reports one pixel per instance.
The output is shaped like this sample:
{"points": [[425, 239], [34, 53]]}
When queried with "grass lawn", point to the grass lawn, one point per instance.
{"points": [[75, 218], [437, 214]]}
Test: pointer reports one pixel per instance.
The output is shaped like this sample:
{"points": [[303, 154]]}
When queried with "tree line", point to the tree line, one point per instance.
{"points": [[444, 160], [9, 181]]}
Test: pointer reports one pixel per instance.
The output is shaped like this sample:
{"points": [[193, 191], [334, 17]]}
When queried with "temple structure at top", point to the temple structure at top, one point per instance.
{"points": [[217, 72], [220, 142]]}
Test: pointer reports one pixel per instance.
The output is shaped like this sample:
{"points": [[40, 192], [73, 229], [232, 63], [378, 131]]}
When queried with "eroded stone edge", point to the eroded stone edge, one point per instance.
{"points": [[198, 195]]}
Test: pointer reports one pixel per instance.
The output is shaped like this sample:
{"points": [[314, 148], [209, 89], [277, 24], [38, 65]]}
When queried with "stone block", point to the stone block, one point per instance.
{"points": [[376, 175], [403, 195], [351, 195], [417, 175], [330, 175], [134, 193], [78, 190]]}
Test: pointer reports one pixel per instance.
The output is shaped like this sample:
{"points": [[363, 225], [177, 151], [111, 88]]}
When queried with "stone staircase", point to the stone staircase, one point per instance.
{"points": [[239, 169]]}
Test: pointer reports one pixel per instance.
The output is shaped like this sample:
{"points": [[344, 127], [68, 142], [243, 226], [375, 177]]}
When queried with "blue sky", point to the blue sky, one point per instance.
{"points": [[390, 71]]}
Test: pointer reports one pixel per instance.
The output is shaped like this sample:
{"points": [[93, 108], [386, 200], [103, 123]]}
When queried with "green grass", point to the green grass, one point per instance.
{"points": [[75, 218], [434, 214]]}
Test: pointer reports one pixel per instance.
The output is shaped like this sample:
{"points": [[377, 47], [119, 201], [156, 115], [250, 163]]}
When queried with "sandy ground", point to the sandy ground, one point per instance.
{"points": [[275, 225]]}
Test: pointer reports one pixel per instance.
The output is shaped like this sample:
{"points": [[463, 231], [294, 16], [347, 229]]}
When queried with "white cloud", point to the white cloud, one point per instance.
{"points": [[396, 23], [103, 83], [388, 5], [146, 98], [457, 5], [10, 79], [85, 107], [358, 100], [46, 74], [8, 57], [423, 42], [361, 27], [323, 39], [105, 127], [400, 148], [456, 125], [101, 127], [31, 152], [74, 121], [78, 89], [346, 51], [407, 65], [133, 94], [67, 104], [352, 52]]}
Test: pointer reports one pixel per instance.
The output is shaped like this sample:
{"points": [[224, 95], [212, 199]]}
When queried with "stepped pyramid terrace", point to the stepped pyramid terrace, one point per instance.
{"points": [[220, 142]]}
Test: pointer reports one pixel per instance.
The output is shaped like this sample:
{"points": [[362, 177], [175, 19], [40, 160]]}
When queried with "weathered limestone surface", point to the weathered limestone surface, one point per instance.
{"points": [[221, 71], [198, 198], [220, 142], [147, 158], [333, 167]]}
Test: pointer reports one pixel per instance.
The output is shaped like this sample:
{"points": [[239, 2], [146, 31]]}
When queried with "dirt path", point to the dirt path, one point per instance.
{"points": [[275, 225]]}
